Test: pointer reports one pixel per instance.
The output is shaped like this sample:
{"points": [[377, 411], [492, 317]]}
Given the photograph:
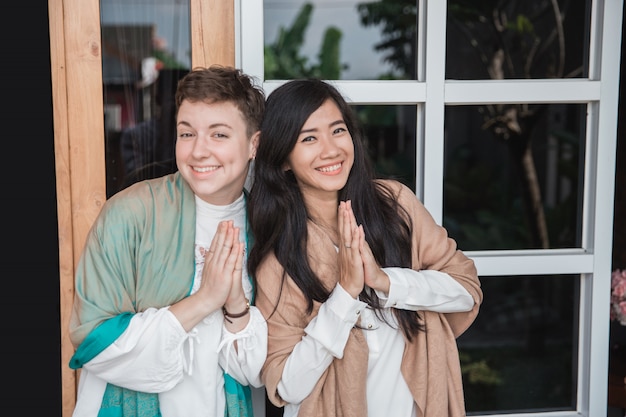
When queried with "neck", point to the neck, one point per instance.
{"points": [[323, 211]]}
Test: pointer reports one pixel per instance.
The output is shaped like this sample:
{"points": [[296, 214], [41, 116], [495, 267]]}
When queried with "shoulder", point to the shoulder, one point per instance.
{"points": [[170, 187], [144, 199], [399, 192]]}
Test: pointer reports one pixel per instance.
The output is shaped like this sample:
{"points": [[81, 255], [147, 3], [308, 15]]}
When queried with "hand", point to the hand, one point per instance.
{"points": [[237, 301], [220, 263], [225, 255], [375, 277], [352, 274]]}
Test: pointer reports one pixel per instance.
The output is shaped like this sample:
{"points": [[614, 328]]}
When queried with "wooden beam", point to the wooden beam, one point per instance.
{"points": [[79, 142], [212, 32], [79, 145]]}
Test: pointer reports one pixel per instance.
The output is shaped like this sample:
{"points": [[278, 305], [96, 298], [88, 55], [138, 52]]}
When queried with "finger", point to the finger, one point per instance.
{"points": [[232, 261], [363, 245], [340, 219], [351, 226], [223, 241], [351, 265], [354, 229], [218, 240], [345, 230], [226, 256], [237, 275], [239, 260]]}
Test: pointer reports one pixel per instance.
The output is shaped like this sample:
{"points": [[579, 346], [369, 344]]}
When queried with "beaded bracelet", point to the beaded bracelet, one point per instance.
{"points": [[228, 315]]}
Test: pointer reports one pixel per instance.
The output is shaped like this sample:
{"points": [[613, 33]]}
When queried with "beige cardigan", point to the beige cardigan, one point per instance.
{"points": [[430, 364]]}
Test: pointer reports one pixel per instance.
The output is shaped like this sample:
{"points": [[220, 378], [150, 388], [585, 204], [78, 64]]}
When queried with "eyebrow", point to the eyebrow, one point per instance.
{"points": [[336, 122], [212, 126]]}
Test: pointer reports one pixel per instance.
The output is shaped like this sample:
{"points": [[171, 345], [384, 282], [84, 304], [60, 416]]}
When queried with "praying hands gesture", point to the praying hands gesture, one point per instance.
{"points": [[221, 285], [357, 264]]}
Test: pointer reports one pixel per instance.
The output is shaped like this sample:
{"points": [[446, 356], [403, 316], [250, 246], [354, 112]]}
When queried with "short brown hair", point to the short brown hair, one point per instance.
{"points": [[219, 83]]}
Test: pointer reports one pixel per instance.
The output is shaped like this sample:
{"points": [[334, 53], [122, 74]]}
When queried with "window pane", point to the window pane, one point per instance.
{"points": [[513, 175], [518, 39], [146, 49], [339, 40], [389, 135], [521, 352]]}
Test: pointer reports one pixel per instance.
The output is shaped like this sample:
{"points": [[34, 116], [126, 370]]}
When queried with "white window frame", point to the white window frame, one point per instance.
{"points": [[432, 92]]}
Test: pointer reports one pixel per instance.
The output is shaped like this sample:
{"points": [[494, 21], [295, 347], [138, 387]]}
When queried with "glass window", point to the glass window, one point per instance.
{"points": [[513, 175], [517, 39], [520, 353], [146, 49], [501, 115], [339, 40], [389, 133]]}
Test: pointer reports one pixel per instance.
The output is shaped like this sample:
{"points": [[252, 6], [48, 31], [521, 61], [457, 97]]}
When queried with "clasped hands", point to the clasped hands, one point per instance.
{"points": [[222, 272], [357, 264]]}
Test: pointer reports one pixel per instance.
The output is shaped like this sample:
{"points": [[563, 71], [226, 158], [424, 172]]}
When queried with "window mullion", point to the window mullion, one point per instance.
{"points": [[432, 135]]}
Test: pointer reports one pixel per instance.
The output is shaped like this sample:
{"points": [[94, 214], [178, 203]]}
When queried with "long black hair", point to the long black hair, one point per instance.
{"points": [[277, 212]]}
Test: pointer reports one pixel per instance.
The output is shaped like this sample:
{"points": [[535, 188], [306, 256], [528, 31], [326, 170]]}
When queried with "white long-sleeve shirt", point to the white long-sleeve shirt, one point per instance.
{"points": [[155, 354], [327, 334]]}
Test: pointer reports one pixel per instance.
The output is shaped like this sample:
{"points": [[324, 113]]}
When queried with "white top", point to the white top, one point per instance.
{"points": [[155, 354], [327, 334]]}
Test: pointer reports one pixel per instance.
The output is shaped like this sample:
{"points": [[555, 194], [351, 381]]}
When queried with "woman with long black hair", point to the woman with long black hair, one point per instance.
{"points": [[363, 292]]}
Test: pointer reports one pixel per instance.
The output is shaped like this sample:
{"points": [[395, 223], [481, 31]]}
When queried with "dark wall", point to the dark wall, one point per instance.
{"points": [[29, 261]]}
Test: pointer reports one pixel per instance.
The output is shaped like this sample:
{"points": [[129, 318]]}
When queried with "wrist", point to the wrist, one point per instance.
{"points": [[230, 314], [383, 281]]}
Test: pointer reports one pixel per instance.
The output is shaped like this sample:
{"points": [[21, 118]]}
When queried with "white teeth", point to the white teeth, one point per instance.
{"points": [[204, 169], [330, 168]]}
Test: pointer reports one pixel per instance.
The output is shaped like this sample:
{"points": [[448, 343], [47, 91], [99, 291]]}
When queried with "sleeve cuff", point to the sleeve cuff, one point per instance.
{"points": [[343, 305]]}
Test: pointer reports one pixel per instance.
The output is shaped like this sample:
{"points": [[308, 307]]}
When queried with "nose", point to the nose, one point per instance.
{"points": [[201, 147], [329, 147]]}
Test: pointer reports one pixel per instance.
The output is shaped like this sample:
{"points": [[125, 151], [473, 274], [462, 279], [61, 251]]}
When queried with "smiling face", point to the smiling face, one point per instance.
{"points": [[323, 155], [213, 150]]}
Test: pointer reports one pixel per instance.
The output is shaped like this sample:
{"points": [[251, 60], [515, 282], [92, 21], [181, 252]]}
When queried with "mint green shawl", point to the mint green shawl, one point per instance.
{"points": [[143, 236]]}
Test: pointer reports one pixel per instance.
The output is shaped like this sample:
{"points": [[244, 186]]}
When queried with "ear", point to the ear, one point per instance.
{"points": [[286, 167], [254, 143]]}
